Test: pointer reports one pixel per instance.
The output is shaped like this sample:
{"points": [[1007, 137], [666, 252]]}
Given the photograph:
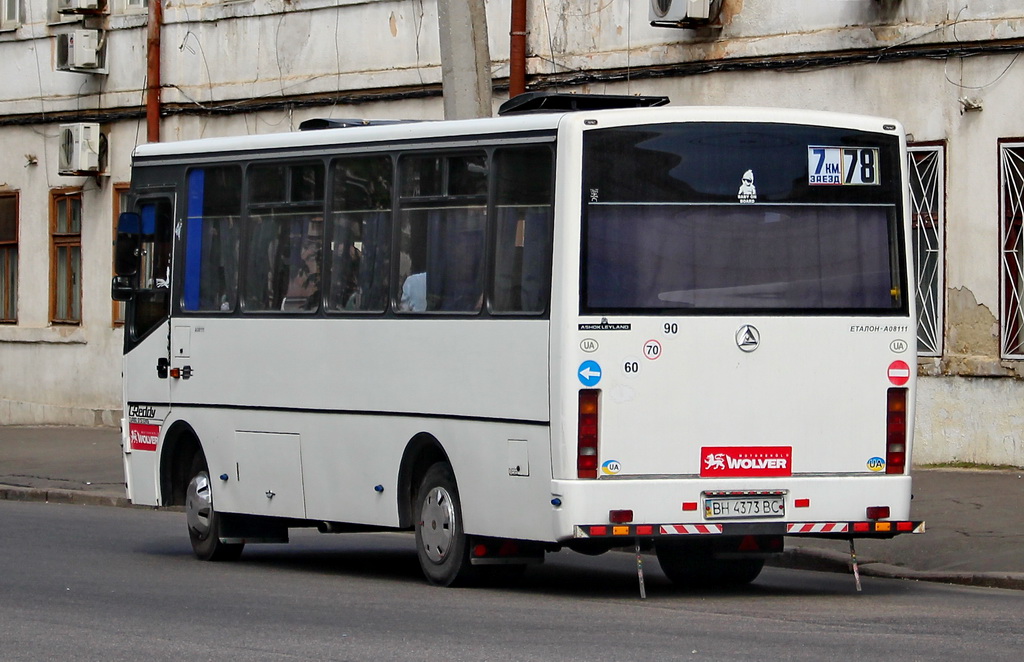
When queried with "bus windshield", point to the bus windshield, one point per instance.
{"points": [[737, 223]]}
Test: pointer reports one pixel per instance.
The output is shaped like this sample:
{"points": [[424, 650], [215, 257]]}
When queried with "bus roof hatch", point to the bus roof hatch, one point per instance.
{"points": [[554, 102]]}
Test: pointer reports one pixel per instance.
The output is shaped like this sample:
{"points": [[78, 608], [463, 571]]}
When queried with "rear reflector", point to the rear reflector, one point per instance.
{"points": [[586, 440], [877, 512], [620, 516], [896, 431]]}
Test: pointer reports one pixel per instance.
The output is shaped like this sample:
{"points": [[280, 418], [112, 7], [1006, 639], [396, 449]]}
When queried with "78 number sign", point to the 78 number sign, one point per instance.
{"points": [[842, 166]]}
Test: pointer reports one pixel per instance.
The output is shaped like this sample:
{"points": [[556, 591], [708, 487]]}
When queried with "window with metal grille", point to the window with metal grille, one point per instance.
{"points": [[1011, 210], [927, 167]]}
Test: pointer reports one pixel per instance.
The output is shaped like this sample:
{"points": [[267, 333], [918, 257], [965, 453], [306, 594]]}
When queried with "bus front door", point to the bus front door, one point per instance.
{"points": [[143, 280]]}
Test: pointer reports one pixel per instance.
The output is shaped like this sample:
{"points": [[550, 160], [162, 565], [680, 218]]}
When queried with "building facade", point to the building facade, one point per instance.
{"points": [[947, 69]]}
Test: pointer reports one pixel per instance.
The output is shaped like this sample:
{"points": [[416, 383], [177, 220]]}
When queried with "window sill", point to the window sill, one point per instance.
{"points": [[61, 335]]}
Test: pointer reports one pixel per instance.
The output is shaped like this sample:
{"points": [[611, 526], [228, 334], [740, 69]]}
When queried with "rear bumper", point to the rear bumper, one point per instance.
{"points": [[841, 530], [833, 506]]}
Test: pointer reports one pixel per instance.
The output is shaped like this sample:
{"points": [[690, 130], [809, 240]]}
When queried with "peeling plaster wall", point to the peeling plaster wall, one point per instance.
{"points": [[969, 419]]}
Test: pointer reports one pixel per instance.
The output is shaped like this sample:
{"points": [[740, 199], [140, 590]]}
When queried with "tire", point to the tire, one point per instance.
{"points": [[694, 566], [204, 523], [441, 543]]}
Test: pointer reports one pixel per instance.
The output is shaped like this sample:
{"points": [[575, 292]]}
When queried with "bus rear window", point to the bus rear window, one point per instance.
{"points": [[714, 218], [740, 257]]}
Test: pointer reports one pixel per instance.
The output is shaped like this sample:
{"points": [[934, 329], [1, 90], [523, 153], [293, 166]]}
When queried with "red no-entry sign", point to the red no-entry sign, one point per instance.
{"points": [[899, 373]]}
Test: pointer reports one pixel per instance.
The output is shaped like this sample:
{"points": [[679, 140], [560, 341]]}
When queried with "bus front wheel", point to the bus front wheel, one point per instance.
{"points": [[204, 523], [441, 541]]}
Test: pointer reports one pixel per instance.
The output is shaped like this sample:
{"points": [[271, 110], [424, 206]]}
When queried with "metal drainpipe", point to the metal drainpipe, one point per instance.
{"points": [[156, 19], [517, 50]]}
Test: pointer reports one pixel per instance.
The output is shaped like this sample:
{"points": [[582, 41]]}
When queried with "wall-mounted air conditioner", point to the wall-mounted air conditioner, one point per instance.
{"points": [[79, 149], [80, 50], [80, 6], [683, 13]]}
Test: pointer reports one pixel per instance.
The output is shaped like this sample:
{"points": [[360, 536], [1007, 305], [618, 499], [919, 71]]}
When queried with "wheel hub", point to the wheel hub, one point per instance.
{"points": [[438, 526], [199, 505]]}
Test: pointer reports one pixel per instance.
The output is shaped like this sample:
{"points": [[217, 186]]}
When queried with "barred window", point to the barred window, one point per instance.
{"points": [[1011, 207], [928, 196]]}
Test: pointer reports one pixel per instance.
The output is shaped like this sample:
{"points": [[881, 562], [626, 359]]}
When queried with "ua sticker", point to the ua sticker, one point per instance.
{"points": [[611, 467], [876, 464]]}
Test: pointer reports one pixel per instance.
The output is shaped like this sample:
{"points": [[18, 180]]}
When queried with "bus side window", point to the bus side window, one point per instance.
{"points": [[285, 238], [442, 233], [360, 234], [211, 239], [523, 211]]}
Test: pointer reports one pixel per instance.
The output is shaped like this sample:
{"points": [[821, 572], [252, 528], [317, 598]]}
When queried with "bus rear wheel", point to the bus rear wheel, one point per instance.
{"points": [[441, 542], [204, 523]]}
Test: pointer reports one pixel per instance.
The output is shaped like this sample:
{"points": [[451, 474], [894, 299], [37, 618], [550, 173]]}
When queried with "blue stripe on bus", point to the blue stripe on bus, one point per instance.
{"points": [[194, 239], [148, 219]]}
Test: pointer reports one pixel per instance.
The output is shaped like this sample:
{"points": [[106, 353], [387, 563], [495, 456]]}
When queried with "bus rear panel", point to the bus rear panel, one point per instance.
{"points": [[737, 346]]}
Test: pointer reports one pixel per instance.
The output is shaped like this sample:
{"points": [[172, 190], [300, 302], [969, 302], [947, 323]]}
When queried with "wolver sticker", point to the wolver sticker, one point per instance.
{"points": [[143, 437], [727, 461]]}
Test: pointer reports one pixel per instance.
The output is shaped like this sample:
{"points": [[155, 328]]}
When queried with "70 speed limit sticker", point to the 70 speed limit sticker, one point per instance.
{"points": [[652, 349]]}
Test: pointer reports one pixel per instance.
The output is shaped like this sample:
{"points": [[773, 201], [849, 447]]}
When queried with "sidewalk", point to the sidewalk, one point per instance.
{"points": [[975, 518]]}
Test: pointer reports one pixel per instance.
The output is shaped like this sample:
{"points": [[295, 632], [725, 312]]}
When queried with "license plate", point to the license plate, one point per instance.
{"points": [[744, 507]]}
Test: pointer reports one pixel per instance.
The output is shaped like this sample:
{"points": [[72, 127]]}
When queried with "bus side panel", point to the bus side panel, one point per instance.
{"points": [[306, 418], [465, 367], [504, 475], [502, 470]]}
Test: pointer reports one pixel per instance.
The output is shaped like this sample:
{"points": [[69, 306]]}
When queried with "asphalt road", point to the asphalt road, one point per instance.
{"points": [[94, 583]]}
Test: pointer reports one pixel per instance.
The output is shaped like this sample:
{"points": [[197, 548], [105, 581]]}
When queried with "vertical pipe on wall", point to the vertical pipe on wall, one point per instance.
{"points": [[517, 50], [156, 19]]}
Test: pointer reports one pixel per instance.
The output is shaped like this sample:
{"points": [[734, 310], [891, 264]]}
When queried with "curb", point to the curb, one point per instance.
{"points": [[810, 558], [9, 493]]}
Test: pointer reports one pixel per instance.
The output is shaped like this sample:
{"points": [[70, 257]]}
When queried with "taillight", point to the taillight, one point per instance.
{"points": [[586, 440], [896, 431]]}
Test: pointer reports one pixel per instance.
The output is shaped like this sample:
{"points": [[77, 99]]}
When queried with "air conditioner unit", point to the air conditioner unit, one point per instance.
{"points": [[79, 6], [683, 13], [79, 149], [79, 50]]}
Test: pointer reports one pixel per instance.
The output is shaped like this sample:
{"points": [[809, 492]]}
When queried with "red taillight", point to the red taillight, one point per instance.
{"points": [[586, 440], [896, 431], [620, 516]]}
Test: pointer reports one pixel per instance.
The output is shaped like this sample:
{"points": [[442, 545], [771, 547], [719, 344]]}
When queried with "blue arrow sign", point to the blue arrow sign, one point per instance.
{"points": [[589, 373]]}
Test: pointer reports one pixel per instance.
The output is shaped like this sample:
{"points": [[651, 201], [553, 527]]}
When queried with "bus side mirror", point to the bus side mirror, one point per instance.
{"points": [[121, 288], [128, 248]]}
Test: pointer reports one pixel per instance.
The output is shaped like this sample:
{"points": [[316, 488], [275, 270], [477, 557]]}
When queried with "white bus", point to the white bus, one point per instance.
{"points": [[588, 323]]}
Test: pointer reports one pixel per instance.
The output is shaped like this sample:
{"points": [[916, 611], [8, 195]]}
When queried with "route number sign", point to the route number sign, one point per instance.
{"points": [[842, 166]]}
